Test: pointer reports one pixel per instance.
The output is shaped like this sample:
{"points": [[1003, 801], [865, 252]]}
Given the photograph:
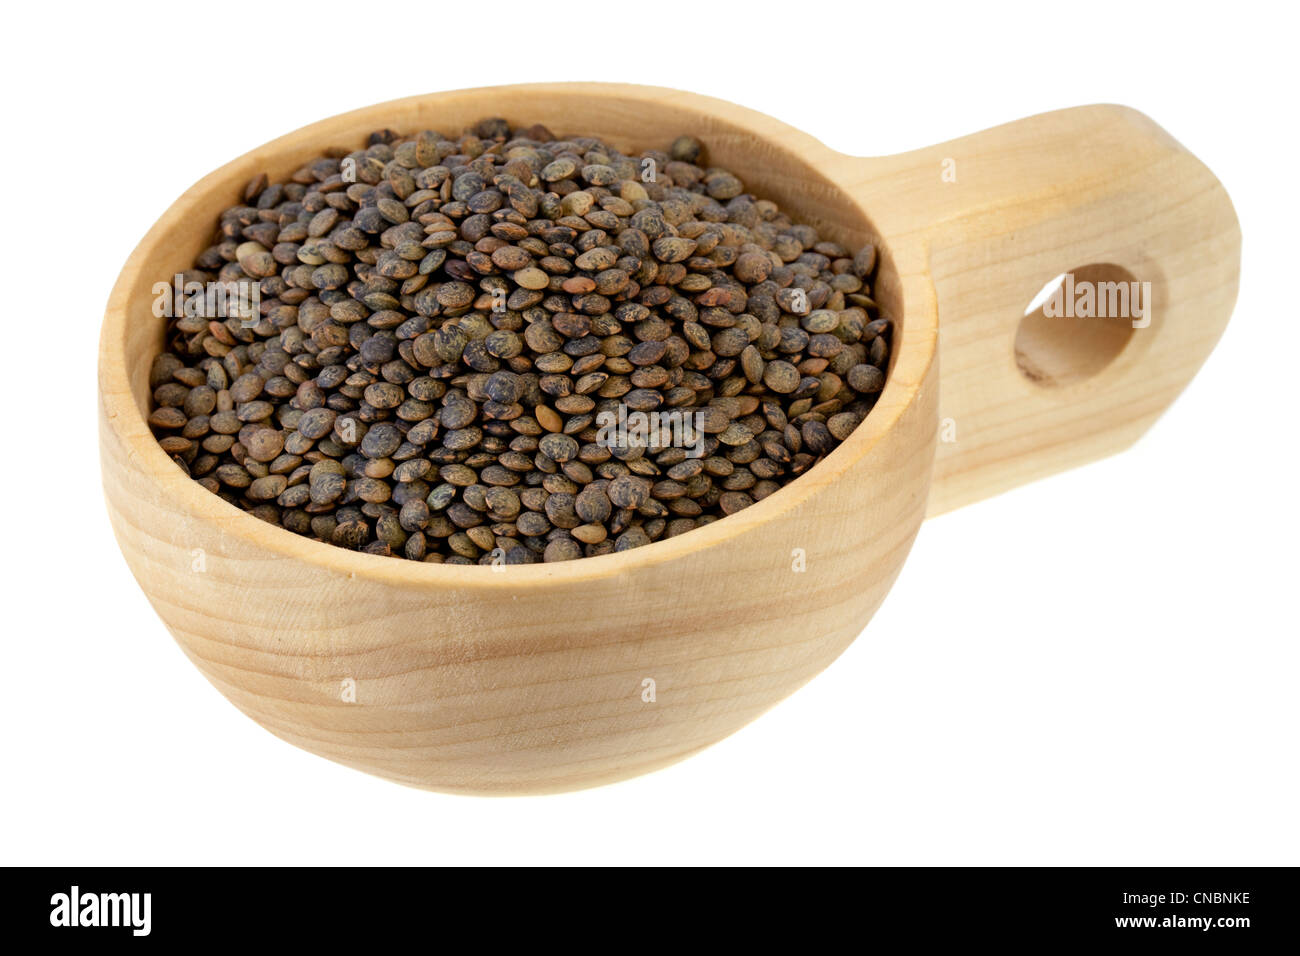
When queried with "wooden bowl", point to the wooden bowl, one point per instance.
{"points": [[561, 676]]}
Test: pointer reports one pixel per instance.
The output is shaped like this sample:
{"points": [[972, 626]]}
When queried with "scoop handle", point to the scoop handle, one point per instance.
{"points": [[1098, 193]]}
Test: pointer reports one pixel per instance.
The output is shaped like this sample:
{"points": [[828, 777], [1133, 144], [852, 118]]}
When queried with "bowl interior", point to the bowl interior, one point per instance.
{"points": [[773, 160]]}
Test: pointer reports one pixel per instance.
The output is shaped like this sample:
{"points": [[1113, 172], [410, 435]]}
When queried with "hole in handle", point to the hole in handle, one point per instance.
{"points": [[1079, 322]]}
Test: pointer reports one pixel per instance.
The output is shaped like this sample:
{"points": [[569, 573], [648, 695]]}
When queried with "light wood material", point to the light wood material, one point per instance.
{"points": [[532, 679], [1061, 192]]}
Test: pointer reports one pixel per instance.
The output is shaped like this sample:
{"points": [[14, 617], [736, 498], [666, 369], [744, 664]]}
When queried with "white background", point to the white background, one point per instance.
{"points": [[1100, 668]]}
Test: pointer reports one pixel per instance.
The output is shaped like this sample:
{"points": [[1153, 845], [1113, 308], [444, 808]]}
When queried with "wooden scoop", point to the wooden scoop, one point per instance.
{"points": [[560, 676]]}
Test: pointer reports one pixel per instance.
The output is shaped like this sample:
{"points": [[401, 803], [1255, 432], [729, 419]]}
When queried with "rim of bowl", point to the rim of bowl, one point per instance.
{"points": [[911, 359]]}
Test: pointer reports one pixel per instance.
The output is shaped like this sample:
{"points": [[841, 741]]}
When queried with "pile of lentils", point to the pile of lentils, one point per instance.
{"points": [[443, 319]]}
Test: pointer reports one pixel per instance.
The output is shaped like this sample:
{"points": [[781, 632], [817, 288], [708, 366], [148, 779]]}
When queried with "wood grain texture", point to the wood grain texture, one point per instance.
{"points": [[1070, 191], [529, 680]]}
